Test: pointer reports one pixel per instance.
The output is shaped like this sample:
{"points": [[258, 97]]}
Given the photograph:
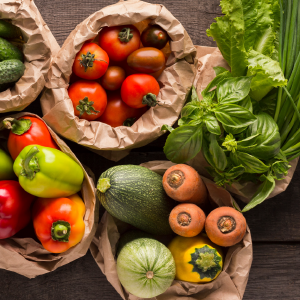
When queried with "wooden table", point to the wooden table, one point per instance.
{"points": [[275, 224]]}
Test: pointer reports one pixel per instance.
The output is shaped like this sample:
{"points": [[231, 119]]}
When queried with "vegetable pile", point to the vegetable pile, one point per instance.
{"points": [[235, 124], [119, 77], [11, 55], [39, 179], [146, 267]]}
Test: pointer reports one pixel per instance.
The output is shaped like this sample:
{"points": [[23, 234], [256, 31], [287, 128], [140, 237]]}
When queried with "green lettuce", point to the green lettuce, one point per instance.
{"points": [[248, 38]]}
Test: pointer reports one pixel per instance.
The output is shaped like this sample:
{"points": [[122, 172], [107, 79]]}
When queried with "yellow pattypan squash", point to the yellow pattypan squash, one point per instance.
{"points": [[197, 259]]}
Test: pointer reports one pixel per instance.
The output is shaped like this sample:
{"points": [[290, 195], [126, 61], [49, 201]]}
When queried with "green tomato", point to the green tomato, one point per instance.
{"points": [[6, 166]]}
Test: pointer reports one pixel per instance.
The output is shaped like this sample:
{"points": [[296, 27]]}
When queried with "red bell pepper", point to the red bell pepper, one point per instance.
{"points": [[58, 222], [14, 208], [27, 131]]}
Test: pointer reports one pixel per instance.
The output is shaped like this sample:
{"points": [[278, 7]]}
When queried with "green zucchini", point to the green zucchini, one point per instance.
{"points": [[135, 195], [146, 267]]}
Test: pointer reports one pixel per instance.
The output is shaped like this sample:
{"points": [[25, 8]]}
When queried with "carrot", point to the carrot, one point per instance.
{"points": [[187, 219], [182, 183], [225, 226]]}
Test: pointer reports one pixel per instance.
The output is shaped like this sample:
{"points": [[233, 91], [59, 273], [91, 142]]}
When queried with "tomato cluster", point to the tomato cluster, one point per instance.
{"points": [[115, 78]]}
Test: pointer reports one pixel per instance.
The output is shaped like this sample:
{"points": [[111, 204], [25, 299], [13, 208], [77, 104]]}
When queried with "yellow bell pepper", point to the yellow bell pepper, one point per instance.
{"points": [[197, 259]]}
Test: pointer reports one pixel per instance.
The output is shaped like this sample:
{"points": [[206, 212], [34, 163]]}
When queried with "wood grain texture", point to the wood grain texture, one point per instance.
{"points": [[275, 224]]}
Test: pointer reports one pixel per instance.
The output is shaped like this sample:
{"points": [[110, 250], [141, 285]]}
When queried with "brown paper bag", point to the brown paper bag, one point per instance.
{"points": [[209, 57], [26, 256], [229, 285], [174, 82], [38, 49]]}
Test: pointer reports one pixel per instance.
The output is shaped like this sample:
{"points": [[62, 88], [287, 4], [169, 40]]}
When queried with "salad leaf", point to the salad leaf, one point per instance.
{"points": [[267, 74]]}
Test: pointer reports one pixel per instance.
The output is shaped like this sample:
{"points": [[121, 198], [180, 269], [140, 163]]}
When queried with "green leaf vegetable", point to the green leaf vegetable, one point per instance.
{"points": [[248, 36]]}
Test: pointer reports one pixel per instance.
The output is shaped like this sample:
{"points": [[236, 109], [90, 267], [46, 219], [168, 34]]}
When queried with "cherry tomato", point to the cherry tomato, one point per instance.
{"points": [[146, 60], [89, 99], [119, 41], [139, 90], [154, 36], [113, 78], [118, 113], [91, 62]]}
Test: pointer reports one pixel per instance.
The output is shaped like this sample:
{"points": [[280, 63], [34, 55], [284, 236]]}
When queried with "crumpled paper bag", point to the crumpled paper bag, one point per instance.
{"points": [[38, 49], [25, 255], [209, 57], [229, 285], [174, 82]]}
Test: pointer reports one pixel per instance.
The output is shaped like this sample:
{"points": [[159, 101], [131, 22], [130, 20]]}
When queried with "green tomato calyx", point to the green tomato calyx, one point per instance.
{"points": [[86, 106], [129, 122], [87, 60], [230, 143], [150, 100], [60, 231], [17, 127], [30, 164], [125, 35]]}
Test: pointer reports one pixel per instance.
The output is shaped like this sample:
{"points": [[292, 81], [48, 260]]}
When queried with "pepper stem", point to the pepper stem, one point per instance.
{"points": [[17, 127], [150, 100], [60, 231], [86, 106], [87, 60], [103, 184], [30, 163], [125, 35], [206, 261]]}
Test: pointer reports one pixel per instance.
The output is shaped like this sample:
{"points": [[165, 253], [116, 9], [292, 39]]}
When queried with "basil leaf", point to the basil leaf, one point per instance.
{"points": [[167, 127], [183, 143], [262, 193], [233, 115], [233, 130], [212, 124], [216, 81], [219, 70], [192, 95], [250, 163], [268, 141], [217, 153], [235, 172], [280, 169], [191, 109], [232, 90], [207, 155], [246, 103]]}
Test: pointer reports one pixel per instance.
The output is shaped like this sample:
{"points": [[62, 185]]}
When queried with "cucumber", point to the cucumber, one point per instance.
{"points": [[146, 267], [135, 195], [9, 31], [9, 51], [11, 70]]}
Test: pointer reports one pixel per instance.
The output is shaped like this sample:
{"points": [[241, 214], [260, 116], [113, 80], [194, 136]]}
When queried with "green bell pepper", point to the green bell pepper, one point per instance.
{"points": [[6, 166], [48, 173]]}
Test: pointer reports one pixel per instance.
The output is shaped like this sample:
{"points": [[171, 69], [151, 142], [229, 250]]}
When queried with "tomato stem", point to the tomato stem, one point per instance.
{"points": [[87, 60], [129, 122], [125, 35], [60, 231], [150, 100], [86, 106], [17, 127]]}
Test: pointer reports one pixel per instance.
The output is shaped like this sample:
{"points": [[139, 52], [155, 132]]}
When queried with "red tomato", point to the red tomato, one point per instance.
{"points": [[139, 90], [119, 41], [89, 99], [117, 112], [91, 62], [113, 78]]}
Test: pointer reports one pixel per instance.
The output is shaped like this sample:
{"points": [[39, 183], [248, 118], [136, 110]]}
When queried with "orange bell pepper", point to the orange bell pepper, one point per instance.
{"points": [[58, 222]]}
